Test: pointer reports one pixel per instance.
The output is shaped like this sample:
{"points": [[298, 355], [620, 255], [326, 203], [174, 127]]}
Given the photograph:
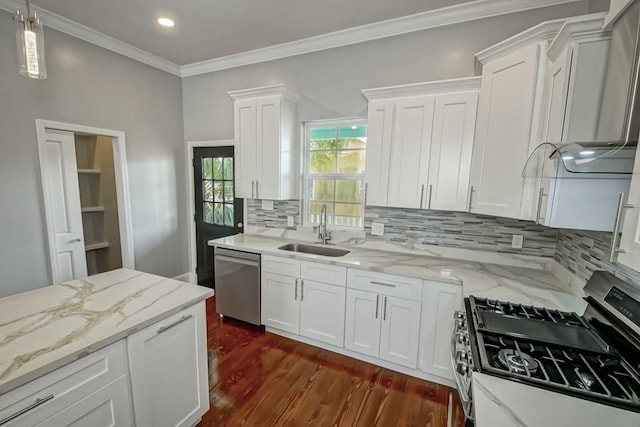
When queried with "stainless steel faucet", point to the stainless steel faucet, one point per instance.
{"points": [[323, 234]]}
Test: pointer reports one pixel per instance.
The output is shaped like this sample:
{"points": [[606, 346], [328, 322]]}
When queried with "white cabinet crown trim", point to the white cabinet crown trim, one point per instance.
{"points": [[259, 92], [427, 88], [580, 28]]}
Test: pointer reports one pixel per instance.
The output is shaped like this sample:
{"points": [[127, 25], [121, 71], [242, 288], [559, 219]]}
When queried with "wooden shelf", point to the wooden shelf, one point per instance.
{"points": [[89, 171], [92, 209], [92, 246]]}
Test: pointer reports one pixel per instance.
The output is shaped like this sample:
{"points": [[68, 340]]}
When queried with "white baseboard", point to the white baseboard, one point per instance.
{"points": [[185, 277]]}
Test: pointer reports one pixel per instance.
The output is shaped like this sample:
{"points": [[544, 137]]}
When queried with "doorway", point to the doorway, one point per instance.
{"points": [[218, 213]]}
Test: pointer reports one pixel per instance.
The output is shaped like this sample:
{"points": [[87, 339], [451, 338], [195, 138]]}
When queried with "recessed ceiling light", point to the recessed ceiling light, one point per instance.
{"points": [[587, 152], [567, 157], [354, 127], [166, 22]]}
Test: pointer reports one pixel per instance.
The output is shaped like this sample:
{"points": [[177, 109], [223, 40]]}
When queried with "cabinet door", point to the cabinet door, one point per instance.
{"points": [[322, 312], [454, 121], [630, 239], [280, 305], [362, 322], [379, 133], [410, 150], [503, 130], [400, 329], [169, 376], [246, 162], [439, 303], [268, 148]]}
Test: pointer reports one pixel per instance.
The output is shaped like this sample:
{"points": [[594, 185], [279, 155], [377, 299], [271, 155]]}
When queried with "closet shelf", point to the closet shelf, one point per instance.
{"points": [[89, 171], [92, 209], [92, 246]]}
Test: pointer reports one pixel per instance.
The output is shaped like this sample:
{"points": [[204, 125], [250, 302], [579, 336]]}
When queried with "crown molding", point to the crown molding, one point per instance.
{"points": [[259, 92], [465, 84], [582, 28], [79, 31], [457, 14]]}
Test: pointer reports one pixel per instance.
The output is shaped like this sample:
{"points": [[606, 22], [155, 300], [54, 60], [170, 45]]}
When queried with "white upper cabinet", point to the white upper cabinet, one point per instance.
{"points": [[265, 139], [419, 144]]}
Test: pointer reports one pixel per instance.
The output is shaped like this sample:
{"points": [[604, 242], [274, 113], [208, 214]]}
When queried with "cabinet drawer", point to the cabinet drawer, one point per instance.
{"points": [[323, 273], [386, 284], [278, 265], [40, 399]]}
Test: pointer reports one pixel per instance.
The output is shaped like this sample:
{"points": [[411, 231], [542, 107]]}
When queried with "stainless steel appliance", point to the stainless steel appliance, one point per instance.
{"points": [[595, 356], [237, 280]]}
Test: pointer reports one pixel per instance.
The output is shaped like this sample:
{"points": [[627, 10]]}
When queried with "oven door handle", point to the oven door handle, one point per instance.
{"points": [[460, 384]]}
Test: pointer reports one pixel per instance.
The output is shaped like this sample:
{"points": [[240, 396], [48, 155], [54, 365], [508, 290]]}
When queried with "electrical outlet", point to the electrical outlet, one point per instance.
{"points": [[517, 240], [377, 229], [290, 220]]}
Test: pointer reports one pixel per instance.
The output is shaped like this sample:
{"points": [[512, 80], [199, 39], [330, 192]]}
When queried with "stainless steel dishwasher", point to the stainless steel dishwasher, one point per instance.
{"points": [[237, 281]]}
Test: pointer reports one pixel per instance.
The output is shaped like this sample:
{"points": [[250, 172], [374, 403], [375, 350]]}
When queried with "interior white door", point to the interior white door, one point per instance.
{"points": [[280, 303], [400, 329], [362, 322], [246, 162], [379, 134], [322, 312], [268, 134], [64, 213], [410, 151], [454, 121], [503, 131]]}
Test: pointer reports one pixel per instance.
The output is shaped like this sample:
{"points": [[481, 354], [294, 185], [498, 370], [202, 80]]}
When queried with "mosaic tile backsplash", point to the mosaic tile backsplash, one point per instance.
{"points": [[276, 218]]}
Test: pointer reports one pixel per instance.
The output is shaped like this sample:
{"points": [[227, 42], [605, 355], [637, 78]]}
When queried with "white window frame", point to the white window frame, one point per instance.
{"points": [[304, 205]]}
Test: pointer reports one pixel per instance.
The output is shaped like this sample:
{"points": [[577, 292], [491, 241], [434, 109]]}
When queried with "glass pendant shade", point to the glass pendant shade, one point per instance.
{"points": [[30, 43]]}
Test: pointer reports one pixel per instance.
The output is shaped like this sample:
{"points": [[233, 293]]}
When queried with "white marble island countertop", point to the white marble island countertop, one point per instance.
{"points": [[506, 282], [47, 328]]}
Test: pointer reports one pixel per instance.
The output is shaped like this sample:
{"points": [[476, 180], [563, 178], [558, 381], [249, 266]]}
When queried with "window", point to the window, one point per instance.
{"points": [[334, 172], [217, 186]]}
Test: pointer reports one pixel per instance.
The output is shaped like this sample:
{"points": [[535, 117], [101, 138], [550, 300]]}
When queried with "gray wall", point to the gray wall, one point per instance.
{"points": [[331, 81], [90, 86]]}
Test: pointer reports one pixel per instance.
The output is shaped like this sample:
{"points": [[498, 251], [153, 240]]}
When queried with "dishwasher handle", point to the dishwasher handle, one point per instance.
{"points": [[237, 260]]}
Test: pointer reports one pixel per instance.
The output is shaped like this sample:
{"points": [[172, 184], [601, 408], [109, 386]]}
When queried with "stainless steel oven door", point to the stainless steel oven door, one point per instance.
{"points": [[462, 363]]}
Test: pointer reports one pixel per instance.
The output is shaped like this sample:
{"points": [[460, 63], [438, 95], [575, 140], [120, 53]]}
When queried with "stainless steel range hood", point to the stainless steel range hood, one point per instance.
{"points": [[614, 146]]}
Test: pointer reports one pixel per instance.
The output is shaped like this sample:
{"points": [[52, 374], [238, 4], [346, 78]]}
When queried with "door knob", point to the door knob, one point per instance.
{"points": [[240, 225], [77, 240]]}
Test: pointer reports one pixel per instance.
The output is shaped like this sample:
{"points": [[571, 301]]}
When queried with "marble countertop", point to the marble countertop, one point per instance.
{"points": [[505, 403], [47, 328], [524, 285]]}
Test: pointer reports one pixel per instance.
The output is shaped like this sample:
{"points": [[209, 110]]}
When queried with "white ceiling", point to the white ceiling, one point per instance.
{"points": [[215, 28]]}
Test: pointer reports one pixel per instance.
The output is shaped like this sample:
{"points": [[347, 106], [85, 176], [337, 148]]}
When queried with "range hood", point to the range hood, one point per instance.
{"points": [[615, 133]]}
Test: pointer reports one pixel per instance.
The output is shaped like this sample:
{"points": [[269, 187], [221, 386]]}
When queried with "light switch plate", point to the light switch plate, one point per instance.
{"points": [[267, 205], [517, 240], [377, 229], [290, 222]]}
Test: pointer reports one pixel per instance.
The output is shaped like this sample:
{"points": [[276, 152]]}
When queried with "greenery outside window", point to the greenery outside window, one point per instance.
{"points": [[334, 172]]}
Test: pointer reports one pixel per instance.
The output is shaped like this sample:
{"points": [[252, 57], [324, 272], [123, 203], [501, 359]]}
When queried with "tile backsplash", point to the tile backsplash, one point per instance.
{"points": [[276, 218]]}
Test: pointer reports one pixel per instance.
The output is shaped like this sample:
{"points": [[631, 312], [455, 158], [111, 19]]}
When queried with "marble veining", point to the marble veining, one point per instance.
{"points": [[49, 327]]}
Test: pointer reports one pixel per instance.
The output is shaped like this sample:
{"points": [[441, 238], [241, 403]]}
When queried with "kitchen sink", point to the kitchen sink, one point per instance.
{"points": [[315, 250]]}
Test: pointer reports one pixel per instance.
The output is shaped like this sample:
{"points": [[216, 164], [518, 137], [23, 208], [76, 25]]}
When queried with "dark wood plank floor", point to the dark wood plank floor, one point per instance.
{"points": [[262, 379]]}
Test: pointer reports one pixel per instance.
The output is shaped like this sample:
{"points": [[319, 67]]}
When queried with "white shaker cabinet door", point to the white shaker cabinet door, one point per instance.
{"points": [[410, 151], [169, 372], [400, 330], [246, 159], [379, 134], [362, 322], [439, 303], [268, 136], [280, 302], [503, 131], [630, 238], [322, 312], [454, 121]]}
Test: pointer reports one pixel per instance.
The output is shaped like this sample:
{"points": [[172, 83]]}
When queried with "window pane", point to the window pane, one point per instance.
{"points": [[217, 168], [228, 191], [315, 210], [351, 161], [228, 168], [323, 138], [320, 189], [344, 209], [217, 214], [322, 162], [348, 221], [228, 215], [207, 190], [207, 169], [348, 190], [217, 191], [353, 132], [207, 212]]}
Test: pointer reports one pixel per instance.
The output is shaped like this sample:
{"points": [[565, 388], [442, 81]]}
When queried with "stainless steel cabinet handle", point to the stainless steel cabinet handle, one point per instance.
{"points": [[377, 300], [77, 240], [257, 190], [171, 325], [430, 192], [301, 290], [366, 188], [614, 250], [541, 194], [23, 411], [384, 315], [471, 197], [391, 285], [253, 187], [421, 195], [295, 292], [236, 260]]}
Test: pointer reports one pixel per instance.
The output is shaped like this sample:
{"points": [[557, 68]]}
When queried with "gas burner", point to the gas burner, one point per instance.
{"points": [[585, 379], [517, 361]]}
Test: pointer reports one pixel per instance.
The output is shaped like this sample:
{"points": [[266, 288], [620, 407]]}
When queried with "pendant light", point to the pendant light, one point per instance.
{"points": [[30, 42]]}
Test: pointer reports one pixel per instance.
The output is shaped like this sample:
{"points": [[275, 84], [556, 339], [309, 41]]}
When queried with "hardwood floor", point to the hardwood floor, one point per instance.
{"points": [[261, 379]]}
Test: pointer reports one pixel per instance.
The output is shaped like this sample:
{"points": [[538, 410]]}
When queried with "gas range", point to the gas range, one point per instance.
{"points": [[595, 356]]}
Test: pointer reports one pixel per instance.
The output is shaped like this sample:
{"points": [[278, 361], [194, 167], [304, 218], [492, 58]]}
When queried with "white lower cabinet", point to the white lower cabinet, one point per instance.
{"points": [[280, 306], [439, 303], [362, 322], [400, 329], [322, 312], [169, 370]]}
